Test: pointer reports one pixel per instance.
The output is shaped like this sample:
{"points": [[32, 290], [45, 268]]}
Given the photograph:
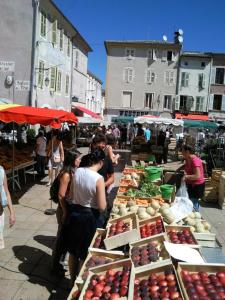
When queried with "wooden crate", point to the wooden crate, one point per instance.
{"points": [[160, 238], [75, 290], [111, 255], [180, 228], [99, 231], [129, 183], [123, 238], [144, 274], [209, 268], [118, 266]]}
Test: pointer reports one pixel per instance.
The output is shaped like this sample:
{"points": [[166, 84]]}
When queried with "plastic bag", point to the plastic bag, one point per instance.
{"points": [[182, 192]]}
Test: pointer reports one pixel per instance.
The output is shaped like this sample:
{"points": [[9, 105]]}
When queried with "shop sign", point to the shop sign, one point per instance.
{"points": [[7, 66], [21, 85]]}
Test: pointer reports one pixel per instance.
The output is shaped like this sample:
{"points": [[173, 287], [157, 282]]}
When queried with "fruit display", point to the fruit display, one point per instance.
{"points": [[148, 251], [197, 224], [108, 282], [159, 283], [148, 189], [133, 171], [180, 235], [133, 175], [151, 227], [119, 227], [202, 282], [167, 215]]}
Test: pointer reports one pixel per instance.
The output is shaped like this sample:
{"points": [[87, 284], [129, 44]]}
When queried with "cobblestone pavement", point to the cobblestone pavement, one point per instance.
{"points": [[25, 261]]}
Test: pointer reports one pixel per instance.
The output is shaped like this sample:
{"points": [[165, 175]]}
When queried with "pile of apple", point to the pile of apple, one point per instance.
{"points": [[109, 286], [181, 237], [99, 242], [119, 227], [157, 286], [204, 286], [144, 255], [95, 261], [151, 229]]}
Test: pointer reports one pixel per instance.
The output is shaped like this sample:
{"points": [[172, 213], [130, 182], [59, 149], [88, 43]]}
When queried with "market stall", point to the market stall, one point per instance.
{"points": [[14, 113], [161, 240]]}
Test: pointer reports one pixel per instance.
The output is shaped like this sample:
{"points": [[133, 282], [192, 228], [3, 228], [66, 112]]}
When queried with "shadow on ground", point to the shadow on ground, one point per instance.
{"points": [[47, 241], [35, 263]]}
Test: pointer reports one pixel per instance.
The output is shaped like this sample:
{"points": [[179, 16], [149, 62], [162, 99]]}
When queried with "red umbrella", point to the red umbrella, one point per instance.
{"points": [[32, 115]]}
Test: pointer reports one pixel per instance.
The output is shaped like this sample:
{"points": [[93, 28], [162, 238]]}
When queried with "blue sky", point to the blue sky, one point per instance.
{"points": [[203, 23]]}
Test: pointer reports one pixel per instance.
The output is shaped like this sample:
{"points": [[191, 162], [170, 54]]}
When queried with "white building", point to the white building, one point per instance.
{"points": [[193, 84], [94, 99]]}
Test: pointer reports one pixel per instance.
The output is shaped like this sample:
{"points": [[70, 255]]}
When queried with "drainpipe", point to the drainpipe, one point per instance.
{"points": [[209, 86], [34, 54]]}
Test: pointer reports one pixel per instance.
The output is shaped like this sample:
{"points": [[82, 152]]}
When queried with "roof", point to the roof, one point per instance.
{"points": [[195, 54], [73, 27], [94, 76], [140, 42]]}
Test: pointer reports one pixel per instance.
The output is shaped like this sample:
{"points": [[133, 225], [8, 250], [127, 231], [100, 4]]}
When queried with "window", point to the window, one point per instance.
{"points": [[54, 32], [203, 64], [127, 98], [201, 81], [167, 101], [41, 71], [43, 24], [186, 63], [61, 40], [151, 54], [68, 46], [199, 104], [76, 59], [149, 98], [150, 76], [169, 78], [53, 78], [59, 81], [67, 84], [183, 103], [184, 79], [130, 53], [217, 102], [128, 75], [219, 76], [169, 55]]}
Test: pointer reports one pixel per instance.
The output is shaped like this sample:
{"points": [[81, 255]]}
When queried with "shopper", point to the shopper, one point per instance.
{"points": [[123, 136], [88, 200], [111, 144], [5, 200], [71, 162], [41, 153], [55, 155], [147, 134], [194, 175]]}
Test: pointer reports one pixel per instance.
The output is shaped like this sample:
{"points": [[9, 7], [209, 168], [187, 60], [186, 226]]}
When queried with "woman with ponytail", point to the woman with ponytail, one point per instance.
{"points": [[87, 201]]}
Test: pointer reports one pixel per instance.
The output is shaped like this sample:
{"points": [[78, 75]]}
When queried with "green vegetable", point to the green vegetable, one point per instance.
{"points": [[147, 190]]}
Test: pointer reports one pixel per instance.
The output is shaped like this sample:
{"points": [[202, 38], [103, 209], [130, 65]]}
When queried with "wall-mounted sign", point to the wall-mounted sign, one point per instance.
{"points": [[7, 66], [22, 85]]}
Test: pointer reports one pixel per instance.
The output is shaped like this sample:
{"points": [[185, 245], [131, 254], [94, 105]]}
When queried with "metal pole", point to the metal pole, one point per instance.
{"points": [[13, 154]]}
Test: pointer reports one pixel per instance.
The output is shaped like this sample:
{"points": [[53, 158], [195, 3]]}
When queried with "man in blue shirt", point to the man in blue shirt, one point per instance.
{"points": [[147, 134]]}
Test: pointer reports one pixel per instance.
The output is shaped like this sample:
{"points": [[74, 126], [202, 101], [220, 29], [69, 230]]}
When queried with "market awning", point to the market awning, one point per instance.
{"points": [[33, 115], [192, 117], [123, 119], [87, 111], [200, 124], [159, 121]]}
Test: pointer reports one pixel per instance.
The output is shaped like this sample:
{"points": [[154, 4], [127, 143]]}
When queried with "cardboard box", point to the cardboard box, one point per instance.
{"points": [[109, 255], [209, 268], [150, 221], [102, 232], [124, 238], [180, 228], [118, 266], [164, 256], [144, 274]]}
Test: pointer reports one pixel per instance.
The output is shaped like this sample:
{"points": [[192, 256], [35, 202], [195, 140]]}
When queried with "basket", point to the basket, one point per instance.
{"points": [[167, 190], [153, 173]]}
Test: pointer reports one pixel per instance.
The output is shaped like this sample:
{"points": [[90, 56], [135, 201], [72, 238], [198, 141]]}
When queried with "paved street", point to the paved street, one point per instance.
{"points": [[24, 263]]}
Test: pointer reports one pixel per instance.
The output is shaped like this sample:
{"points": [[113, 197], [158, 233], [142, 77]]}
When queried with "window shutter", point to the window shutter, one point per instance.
{"points": [[177, 103], [152, 77], [213, 75], [183, 79], [153, 54], [223, 103], [148, 76], [164, 55], [174, 56], [54, 32], [211, 98], [202, 104], [186, 79], [203, 80]]}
